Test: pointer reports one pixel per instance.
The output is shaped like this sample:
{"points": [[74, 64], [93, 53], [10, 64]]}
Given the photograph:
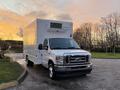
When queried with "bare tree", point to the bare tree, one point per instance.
{"points": [[111, 24], [104, 35], [20, 32], [83, 36], [100, 37]]}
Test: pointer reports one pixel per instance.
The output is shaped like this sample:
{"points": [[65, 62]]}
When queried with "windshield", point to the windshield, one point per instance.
{"points": [[63, 43]]}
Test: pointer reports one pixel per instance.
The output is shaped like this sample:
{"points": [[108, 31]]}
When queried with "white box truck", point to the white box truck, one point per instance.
{"points": [[51, 44]]}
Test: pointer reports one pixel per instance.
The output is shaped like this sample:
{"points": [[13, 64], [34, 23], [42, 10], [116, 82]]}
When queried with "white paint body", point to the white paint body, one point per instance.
{"points": [[36, 32]]}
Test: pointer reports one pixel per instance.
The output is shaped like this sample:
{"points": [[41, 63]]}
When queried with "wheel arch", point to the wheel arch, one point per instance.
{"points": [[50, 61]]}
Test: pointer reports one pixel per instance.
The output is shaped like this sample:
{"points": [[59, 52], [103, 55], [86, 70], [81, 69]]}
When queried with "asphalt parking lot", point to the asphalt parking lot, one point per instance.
{"points": [[105, 76]]}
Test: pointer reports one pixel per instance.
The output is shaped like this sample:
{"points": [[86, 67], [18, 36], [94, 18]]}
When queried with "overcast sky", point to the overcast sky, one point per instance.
{"points": [[79, 11]]}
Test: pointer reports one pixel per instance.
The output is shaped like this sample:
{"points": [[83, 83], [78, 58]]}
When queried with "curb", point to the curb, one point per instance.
{"points": [[7, 85], [15, 82], [22, 76]]}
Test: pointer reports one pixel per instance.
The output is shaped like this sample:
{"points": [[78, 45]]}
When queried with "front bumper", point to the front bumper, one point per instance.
{"points": [[71, 69]]}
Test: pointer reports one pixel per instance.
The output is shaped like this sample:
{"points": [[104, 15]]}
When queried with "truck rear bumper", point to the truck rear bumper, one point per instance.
{"points": [[79, 69]]}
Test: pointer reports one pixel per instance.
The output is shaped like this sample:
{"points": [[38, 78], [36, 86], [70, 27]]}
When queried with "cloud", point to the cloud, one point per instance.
{"points": [[79, 11], [48, 10], [64, 17], [38, 8], [9, 24], [10, 17], [36, 14]]}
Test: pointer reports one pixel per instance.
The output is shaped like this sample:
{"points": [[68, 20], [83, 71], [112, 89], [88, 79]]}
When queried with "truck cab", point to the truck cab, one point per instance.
{"points": [[63, 55]]}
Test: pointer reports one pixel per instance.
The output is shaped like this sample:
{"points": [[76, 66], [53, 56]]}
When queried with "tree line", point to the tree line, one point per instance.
{"points": [[102, 37]]}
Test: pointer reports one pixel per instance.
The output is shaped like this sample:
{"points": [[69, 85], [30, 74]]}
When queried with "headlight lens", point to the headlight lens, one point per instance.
{"points": [[59, 59], [88, 58]]}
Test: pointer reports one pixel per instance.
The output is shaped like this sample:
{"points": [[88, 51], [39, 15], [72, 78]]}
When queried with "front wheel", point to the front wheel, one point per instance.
{"points": [[29, 63], [52, 73]]}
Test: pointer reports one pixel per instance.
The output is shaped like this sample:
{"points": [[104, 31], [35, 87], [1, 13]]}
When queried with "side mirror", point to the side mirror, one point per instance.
{"points": [[46, 47], [40, 46]]}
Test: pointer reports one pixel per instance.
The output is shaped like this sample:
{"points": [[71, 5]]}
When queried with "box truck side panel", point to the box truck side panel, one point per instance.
{"points": [[30, 35], [30, 42]]}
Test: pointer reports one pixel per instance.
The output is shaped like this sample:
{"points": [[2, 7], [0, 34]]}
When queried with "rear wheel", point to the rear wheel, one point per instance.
{"points": [[52, 73], [29, 63]]}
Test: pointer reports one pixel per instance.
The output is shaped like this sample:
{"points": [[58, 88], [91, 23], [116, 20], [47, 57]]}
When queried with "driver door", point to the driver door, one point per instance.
{"points": [[45, 53]]}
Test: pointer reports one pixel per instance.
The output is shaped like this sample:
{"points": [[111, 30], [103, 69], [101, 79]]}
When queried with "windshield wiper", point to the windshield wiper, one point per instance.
{"points": [[72, 48], [57, 48], [65, 48]]}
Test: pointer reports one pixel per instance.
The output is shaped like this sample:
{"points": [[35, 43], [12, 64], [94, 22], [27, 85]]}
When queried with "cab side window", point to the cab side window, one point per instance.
{"points": [[45, 44]]}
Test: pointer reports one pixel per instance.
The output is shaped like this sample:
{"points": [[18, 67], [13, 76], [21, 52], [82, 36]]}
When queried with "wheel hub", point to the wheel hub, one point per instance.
{"points": [[50, 71]]}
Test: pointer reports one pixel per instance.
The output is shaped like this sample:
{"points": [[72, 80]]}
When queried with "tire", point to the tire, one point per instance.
{"points": [[29, 63], [84, 75], [52, 73]]}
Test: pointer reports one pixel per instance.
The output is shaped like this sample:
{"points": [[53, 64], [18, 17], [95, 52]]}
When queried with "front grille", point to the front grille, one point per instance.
{"points": [[77, 59]]}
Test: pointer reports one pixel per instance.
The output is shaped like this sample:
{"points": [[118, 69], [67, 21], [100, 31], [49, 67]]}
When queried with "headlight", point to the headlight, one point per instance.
{"points": [[89, 58], [59, 59]]}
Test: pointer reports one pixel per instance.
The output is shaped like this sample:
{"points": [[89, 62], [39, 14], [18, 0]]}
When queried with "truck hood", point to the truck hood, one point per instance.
{"points": [[70, 52]]}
